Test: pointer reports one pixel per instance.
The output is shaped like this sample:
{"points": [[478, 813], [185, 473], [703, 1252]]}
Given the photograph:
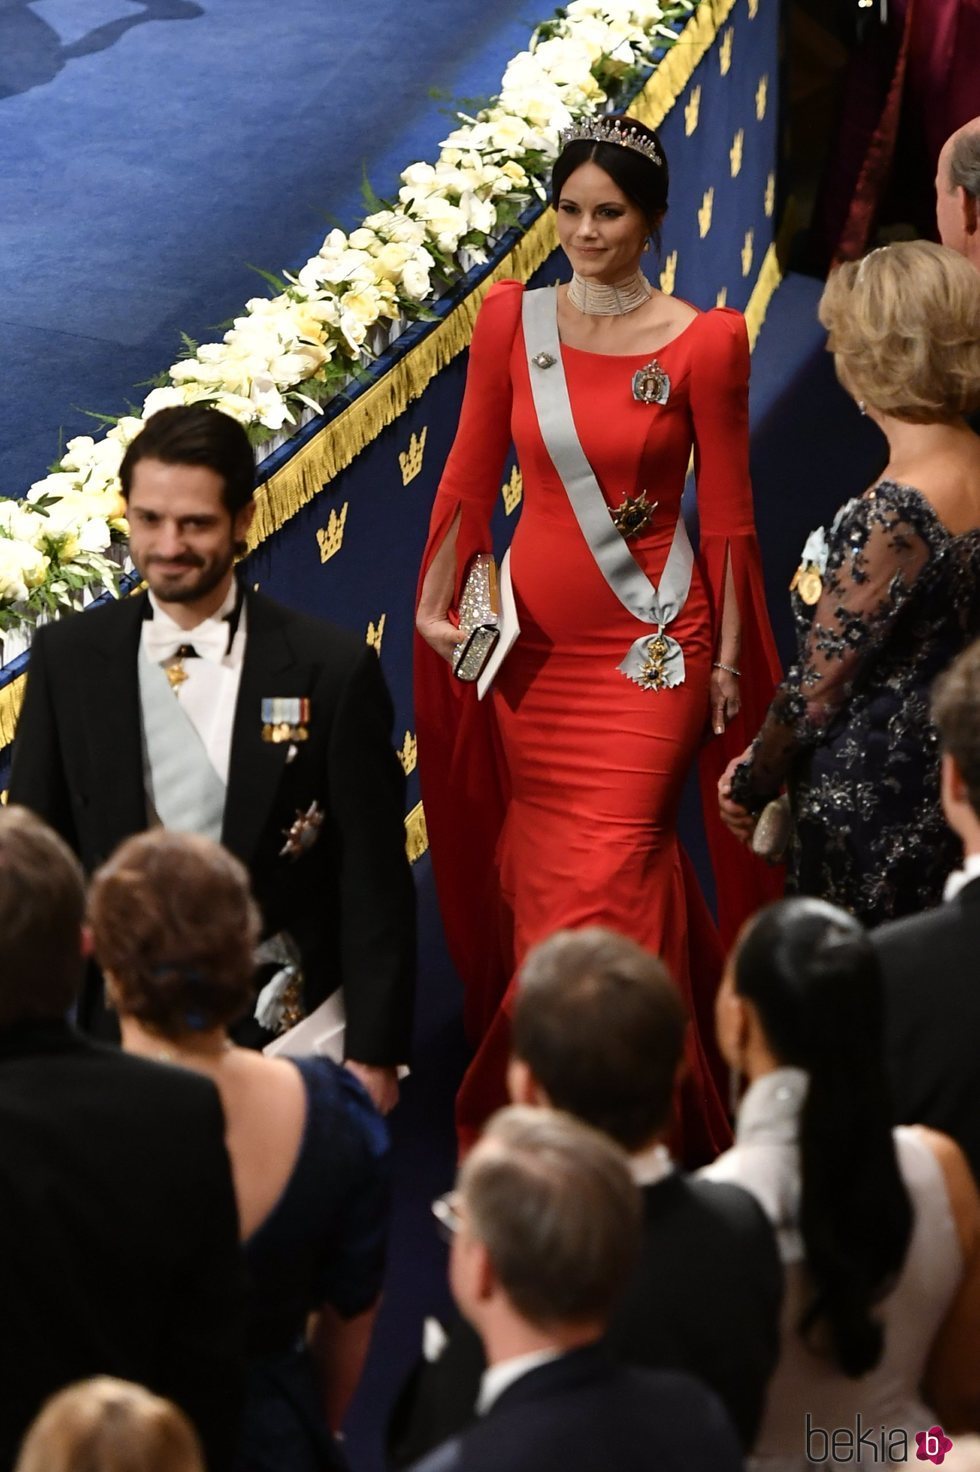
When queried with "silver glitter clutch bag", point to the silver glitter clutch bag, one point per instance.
{"points": [[771, 838], [479, 612]]}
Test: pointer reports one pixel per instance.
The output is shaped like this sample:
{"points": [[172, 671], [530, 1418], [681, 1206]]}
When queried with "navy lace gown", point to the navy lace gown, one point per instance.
{"points": [[849, 730], [323, 1242]]}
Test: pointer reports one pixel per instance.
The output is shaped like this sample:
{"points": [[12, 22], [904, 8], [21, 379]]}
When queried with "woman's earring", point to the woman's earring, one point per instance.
{"points": [[862, 407]]}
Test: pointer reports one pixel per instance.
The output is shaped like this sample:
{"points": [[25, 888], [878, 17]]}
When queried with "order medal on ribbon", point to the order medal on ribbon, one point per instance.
{"points": [[651, 384], [285, 718], [303, 832]]}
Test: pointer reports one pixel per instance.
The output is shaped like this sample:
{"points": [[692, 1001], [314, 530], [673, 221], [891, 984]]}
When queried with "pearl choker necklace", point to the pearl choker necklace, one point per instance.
{"points": [[596, 299]]}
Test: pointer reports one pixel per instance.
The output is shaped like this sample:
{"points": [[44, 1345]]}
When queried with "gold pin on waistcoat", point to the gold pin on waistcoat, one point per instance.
{"points": [[175, 672]]}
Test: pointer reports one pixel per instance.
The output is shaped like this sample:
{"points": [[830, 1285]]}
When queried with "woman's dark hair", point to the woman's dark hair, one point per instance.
{"points": [[644, 182], [812, 974]]}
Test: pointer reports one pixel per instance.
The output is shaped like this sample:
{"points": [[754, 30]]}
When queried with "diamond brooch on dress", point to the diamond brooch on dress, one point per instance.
{"points": [[651, 384], [544, 360]]}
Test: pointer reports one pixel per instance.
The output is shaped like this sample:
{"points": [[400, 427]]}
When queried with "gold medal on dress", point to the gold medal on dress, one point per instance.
{"points": [[653, 675], [651, 384], [634, 515], [807, 583]]}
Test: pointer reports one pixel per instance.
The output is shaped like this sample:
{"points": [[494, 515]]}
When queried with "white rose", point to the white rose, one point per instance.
{"points": [[446, 222], [20, 523], [392, 259], [566, 61], [353, 331], [22, 567], [162, 398], [125, 430], [364, 239], [236, 406], [78, 451], [415, 280], [419, 177], [94, 536], [58, 483], [405, 231], [364, 305], [334, 242], [480, 213], [269, 405]]}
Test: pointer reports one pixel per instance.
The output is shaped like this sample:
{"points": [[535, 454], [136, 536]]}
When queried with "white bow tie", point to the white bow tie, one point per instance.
{"points": [[209, 640]]}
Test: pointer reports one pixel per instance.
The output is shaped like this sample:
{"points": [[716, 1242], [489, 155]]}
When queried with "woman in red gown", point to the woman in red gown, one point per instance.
{"points": [[553, 803]]}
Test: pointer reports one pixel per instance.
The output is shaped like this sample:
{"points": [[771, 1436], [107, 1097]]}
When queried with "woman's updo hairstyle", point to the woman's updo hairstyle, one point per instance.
{"points": [[174, 924], [644, 181], [812, 975]]}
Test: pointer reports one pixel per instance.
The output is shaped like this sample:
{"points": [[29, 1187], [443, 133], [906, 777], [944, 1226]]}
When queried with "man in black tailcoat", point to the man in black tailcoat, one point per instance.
{"points": [[213, 709], [931, 962], [118, 1225]]}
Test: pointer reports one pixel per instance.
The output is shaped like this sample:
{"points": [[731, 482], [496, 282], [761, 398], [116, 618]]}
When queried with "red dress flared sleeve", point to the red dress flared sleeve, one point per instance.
{"points": [[720, 411], [461, 765]]}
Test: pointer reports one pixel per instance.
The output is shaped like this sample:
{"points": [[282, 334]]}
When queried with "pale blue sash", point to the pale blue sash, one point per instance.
{"points": [[182, 786], [655, 662]]}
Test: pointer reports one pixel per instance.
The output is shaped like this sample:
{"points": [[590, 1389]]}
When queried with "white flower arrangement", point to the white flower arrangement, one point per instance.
{"points": [[286, 356]]}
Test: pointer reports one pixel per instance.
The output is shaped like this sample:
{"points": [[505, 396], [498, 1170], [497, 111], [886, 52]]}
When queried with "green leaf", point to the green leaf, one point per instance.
{"points": [[276, 282]]}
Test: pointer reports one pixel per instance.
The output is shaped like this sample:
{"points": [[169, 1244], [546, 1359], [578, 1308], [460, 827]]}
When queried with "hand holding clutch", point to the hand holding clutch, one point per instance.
{"points": [[479, 613], [773, 831]]}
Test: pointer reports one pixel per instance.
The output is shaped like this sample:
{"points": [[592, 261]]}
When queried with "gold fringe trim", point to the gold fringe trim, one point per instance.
{"points": [[416, 834], [769, 277], [11, 700], [328, 453]]}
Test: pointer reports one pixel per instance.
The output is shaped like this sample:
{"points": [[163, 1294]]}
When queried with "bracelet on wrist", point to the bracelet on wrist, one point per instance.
{"points": [[728, 668]]}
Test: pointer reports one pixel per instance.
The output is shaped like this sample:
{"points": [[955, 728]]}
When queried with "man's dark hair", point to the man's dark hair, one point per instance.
{"points": [[600, 1024], [956, 715], [194, 434], [42, 904], [964, 163]]}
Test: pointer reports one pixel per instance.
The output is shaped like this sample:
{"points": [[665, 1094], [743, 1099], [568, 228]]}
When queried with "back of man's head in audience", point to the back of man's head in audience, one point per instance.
{"points": [[956, 714], [549, 1224], [108, 1425], [599, 1032], [958, 191], [42, 904]]}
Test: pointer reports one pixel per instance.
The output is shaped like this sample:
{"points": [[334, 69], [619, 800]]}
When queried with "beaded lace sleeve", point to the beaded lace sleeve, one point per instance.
{"points": [[876, 553]]}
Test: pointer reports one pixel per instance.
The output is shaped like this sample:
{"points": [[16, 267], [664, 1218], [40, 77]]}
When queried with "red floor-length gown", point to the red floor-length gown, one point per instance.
{"points": [[554, 804]]}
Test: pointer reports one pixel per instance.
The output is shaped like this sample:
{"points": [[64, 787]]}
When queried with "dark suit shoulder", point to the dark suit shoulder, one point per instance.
{"points": [[910, 936], [575, 1416], [718, 1208], [176, 1096], [91, 626], [311, 637]]}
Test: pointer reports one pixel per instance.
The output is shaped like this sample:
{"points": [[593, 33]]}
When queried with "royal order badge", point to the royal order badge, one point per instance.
{"points": [[651, 384]]}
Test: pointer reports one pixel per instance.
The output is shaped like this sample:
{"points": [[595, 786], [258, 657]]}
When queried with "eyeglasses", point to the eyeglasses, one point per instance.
{"points": [[445, 1209]]}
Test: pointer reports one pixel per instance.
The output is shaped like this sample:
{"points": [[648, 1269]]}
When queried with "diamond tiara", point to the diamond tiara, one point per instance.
{"points": [[611, 130]]}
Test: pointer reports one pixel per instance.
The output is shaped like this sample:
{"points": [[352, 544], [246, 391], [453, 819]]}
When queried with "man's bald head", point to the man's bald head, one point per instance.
{"points": [[958, 192]]}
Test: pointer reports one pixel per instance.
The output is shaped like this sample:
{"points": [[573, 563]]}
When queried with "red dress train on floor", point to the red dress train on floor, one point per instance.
{"points": [[553, 803]]}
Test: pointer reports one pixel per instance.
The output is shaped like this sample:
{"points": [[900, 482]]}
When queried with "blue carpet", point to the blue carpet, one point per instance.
{"points": [[150, 149]]}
